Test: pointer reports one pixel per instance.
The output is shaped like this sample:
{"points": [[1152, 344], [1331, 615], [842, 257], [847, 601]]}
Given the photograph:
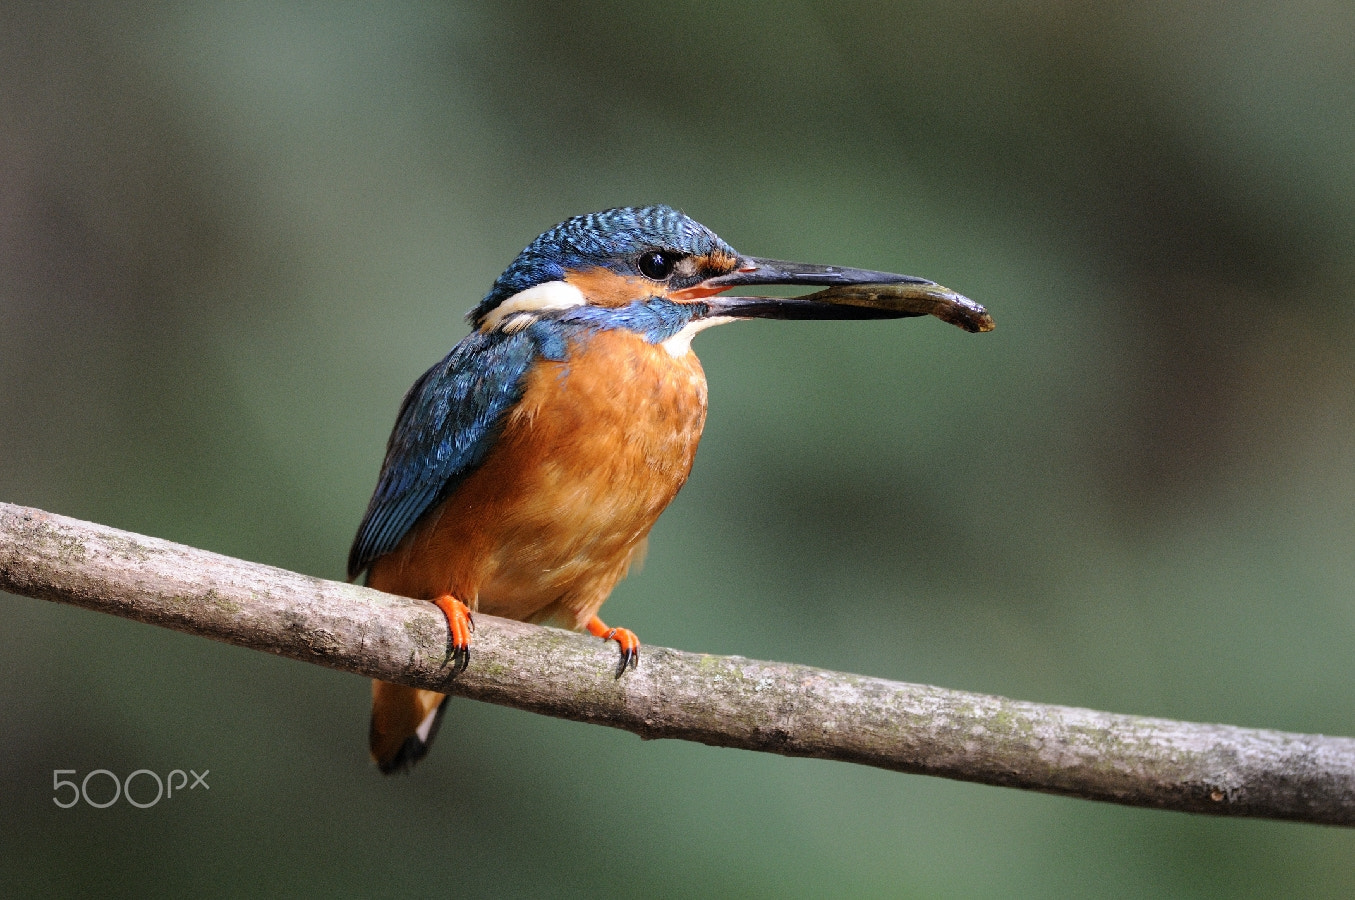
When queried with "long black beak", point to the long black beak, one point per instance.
{"points": [[851, 294], [753, 270]]}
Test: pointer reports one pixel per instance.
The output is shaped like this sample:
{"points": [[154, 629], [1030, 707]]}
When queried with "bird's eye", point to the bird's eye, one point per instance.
{"points": [[656, 264]]}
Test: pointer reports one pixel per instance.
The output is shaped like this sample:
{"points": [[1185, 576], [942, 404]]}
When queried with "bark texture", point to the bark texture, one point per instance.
{"points": [[725, 701]]}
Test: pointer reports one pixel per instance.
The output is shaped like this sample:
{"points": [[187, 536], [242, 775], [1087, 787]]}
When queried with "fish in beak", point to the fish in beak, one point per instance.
{"points": [[849, 294]]}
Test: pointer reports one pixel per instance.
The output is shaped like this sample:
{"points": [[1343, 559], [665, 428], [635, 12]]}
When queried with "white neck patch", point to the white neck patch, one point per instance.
{"points": [[550, 295], [680, 344]]}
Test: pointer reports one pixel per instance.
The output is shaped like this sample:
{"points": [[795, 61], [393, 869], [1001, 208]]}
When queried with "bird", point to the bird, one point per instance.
{"points": [[527, 467]]}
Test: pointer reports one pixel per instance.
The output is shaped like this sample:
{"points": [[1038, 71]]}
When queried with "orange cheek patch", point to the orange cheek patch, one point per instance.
{"points": [[603, 287], [718, 262], [710, 266]]}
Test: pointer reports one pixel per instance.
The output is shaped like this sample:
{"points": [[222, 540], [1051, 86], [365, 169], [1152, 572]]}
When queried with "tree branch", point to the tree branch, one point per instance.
{"points": [[724, 701]]}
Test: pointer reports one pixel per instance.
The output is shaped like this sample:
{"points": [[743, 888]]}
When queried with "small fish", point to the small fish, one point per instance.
{"points": [[925, 299]]}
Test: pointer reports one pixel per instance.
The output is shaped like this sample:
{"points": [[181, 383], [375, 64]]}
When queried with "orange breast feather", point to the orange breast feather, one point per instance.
{"points": [[546, 527]]}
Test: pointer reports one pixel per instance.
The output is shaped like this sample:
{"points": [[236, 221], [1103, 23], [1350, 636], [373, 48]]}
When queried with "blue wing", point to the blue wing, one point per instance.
{"points": [[447, 424]]}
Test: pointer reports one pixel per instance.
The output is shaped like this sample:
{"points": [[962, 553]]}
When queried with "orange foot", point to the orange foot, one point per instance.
{"points": [[630, 644], [459, 628]]}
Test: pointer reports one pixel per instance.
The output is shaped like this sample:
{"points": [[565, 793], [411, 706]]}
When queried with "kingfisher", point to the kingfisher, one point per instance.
{"points": [[526, 469]]}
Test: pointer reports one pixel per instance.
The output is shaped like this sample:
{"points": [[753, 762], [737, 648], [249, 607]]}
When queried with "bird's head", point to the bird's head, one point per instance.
{"points": [[644, 254]]}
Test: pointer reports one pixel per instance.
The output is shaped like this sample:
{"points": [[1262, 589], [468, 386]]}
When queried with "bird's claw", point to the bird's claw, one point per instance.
{"points": [[460, 626], [630, 644], [630, 659], [459, 657]]}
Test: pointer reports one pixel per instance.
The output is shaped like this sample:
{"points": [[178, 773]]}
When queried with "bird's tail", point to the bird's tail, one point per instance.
{"points": [[404, 723]]}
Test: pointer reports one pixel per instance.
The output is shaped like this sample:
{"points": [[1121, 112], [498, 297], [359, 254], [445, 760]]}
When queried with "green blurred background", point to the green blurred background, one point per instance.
{"points": [[231, 235]]}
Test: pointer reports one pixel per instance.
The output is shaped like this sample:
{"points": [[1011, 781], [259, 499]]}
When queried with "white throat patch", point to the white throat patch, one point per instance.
{"points": [[680, 344], [551, 295]]}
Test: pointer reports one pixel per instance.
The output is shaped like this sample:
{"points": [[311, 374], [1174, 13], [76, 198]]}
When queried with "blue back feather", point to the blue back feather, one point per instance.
{"points": [[445, 427]]}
